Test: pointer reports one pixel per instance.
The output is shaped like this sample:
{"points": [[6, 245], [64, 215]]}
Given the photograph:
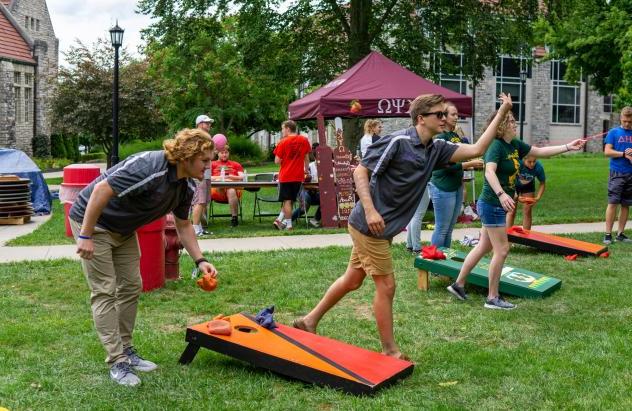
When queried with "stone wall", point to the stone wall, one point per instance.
{"points": [[540, 104], [7, 105]]}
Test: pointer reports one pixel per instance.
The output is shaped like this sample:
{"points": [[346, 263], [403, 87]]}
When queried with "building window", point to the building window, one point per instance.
{"points": [[37, 25], [566, 98], [18, 104], [607, 104], [28, 104], [508, 81], [28, 79], [17, 77], [26, 22], [448, 66], [32, 23]]}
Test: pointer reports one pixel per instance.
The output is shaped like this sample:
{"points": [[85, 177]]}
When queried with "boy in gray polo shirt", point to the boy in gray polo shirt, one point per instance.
{"points": [[390, 182], [104, 219]]}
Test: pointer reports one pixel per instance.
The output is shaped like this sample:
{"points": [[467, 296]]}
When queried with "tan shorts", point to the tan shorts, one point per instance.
{"points": [[373, 255]]}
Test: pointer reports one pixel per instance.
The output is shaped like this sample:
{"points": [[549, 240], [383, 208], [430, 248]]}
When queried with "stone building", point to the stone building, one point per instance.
{"points": [[29, 53]]}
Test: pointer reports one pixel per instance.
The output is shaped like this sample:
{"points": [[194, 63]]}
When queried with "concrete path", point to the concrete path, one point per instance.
{"points": [[13, 254]]}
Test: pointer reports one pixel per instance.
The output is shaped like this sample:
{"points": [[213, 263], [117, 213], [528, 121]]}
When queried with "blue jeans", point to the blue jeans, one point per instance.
{"points": [[447, 207], [307, 199], [413, 239]]}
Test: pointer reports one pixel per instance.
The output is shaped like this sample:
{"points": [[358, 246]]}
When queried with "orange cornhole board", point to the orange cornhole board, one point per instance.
{"points": [[301, 355], [553, 243]]}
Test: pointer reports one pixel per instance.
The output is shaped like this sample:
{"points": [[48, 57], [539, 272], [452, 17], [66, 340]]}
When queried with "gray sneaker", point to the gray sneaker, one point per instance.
{"points": [[137, 362], [457, 291], [607, 239], [623, 238], [122, 373], [499, 304]]}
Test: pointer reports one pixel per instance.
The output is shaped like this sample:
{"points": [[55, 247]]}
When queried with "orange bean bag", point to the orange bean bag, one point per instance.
{"points": [[526, 200], [207, 283]]}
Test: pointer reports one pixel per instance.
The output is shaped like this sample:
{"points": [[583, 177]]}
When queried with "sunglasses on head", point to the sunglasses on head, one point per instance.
{"points": [[439, 114]]}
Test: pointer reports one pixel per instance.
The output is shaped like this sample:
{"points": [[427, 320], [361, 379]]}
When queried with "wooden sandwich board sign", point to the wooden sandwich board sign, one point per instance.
{"points": [[554, 243], [345, 194], [301, 355], [513, 281]]}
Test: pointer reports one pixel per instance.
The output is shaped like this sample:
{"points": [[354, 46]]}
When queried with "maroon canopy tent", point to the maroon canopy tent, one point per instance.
{"points": [[374, 87]]}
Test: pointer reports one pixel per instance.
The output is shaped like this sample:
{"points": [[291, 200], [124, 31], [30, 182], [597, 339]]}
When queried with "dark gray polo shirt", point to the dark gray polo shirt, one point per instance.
{"points": [[401, 167], [146, 187]]}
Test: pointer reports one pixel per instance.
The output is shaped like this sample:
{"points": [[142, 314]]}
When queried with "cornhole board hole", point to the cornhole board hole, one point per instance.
{"points": [[513, 281], [298, 354], [553, 243]]}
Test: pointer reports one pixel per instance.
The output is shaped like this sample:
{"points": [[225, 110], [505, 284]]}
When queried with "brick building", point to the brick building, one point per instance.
{"points": [[29, 53]]}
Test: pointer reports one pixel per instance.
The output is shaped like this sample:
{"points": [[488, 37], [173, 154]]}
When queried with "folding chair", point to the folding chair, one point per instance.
{"points": [[256, 212], [212, 214]]}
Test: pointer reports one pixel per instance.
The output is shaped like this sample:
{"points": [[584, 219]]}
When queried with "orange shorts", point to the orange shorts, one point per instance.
{"points": [[219, 194]]}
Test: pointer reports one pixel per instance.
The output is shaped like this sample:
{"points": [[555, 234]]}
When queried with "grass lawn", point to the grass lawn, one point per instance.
{"points": [[568, 351], [54, 180], [576, 192]]}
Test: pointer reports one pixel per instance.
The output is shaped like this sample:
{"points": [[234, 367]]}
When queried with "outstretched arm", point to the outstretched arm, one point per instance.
{"points": [[467, 151], [574, 145]]}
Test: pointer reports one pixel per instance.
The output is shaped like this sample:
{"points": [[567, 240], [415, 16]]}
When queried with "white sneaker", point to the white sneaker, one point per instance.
{"points": [[122, 373], [314, 223], [137, 362]]}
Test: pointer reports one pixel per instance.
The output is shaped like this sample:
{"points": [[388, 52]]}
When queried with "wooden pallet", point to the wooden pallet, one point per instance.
{"points": [[15, 220]]}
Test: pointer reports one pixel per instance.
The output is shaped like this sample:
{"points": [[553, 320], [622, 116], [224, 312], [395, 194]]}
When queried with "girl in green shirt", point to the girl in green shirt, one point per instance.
{"points": [[502, 163]]}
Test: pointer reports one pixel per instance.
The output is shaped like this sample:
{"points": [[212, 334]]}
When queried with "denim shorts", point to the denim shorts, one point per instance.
{"points": [[491, 215]]}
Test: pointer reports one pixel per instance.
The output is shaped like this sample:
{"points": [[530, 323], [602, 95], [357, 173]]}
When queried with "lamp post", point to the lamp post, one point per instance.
{"points": [[116, 35], [523, 99]]}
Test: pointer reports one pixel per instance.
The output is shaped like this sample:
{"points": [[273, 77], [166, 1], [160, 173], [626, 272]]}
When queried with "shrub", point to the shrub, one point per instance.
{"points": [[57, 146], [137, 146], [46, 164], [244, 150], [41, 145], [95, 155], [72, 147]]}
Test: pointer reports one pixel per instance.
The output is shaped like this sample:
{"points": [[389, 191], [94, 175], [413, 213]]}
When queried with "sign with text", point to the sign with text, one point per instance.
{"points": [[343, 172]]}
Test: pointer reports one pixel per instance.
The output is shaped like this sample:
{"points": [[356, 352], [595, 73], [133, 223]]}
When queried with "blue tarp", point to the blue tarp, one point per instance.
{"points": [[18, 163]]}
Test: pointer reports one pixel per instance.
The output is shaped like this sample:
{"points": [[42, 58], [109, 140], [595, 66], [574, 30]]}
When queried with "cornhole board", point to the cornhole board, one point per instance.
{"points": [[553, 243], [513, 281], [298, 354]]}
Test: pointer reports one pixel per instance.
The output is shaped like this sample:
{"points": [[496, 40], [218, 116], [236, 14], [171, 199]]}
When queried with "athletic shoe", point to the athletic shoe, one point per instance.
{"points": [[278, 224], [137, 362], [623, 238], [122, 373], [314, 223], [457, 291], [607, 239], [499, 304], [234, 221]]}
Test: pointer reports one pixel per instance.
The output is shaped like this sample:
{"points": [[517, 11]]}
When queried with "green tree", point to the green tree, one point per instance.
{"points": [[82, 104], [321, 39], [594, 37]]}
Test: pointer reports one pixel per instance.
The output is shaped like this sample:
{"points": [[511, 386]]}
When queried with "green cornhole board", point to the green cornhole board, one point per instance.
{"points": [[513, 281]]}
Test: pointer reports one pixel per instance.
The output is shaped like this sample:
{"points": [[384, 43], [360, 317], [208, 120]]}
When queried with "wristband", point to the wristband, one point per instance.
{"points": [[566, 145], [84, 237], [200, 260], [500, 193]]}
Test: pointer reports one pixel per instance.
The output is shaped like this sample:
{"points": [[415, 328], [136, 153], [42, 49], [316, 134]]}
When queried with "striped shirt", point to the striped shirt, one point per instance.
{"points": [[146, 187], [401, 167]]}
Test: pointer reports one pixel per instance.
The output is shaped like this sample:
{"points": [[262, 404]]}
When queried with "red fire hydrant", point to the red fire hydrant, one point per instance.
{"points": [[172, 249]]}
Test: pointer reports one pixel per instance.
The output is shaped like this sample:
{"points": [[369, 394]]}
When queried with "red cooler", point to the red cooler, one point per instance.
{"points": [[76, 178], [151, 238]]}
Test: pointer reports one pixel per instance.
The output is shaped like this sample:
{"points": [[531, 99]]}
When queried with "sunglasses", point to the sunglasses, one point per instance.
{"points": [[439, 114]]}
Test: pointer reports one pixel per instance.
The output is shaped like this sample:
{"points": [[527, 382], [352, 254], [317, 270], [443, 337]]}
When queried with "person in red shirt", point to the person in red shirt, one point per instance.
{"points": [[292, 154], [233, 171]]}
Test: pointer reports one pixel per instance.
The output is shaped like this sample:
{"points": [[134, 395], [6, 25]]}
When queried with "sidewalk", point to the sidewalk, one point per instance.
{"points": [[13, 254]]}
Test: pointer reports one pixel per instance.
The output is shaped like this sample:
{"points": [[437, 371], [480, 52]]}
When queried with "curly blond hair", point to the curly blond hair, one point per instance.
{"points": [[370, 125], [504, 123], [186, 144]]}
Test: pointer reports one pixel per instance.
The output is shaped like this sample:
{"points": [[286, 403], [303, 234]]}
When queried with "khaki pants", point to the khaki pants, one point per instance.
{"points": [[113, 275]]}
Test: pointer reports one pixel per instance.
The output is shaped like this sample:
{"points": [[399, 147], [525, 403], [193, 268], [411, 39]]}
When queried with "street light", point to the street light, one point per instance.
{"points": [[116, 35], [523, 99]]}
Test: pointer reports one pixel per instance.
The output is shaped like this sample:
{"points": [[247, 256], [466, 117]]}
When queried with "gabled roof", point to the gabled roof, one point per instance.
{"points": [[374, 87], [14, 44]]}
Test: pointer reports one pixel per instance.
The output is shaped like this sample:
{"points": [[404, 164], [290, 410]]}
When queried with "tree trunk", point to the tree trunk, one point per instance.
{"points": [[359, 38], [352, 133]]}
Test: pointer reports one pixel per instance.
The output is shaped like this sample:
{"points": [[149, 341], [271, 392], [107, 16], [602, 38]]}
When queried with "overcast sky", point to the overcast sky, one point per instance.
{"points": [[88, 20]]}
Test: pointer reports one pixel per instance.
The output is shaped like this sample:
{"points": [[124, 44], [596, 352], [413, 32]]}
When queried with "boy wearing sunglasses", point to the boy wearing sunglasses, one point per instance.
{"points": [[390, 182]]}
